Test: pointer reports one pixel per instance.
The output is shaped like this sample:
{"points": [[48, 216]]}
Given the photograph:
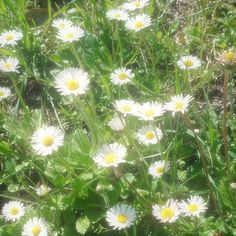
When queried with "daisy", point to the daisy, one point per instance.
{"points": [[135, 4], [125, 106], [42, 190], [117, 123], [158, 168], [148, 135], [117, 14], [149, 111], [72, 81], [4, 93], [227, 57], [13, 210], [178, 103], [193, 206], [121, 216], [110, 155], [188, 62], [138, 22], [168, 213], [121, 76], [46, 140], [9, 64], [10, 37], [35, 227], [73, 33], [62, 24]]}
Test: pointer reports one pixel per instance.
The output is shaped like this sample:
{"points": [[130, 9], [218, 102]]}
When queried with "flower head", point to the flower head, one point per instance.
{"points": [[117, 123], [9, 64], [42, 190], [13, 210], [158, 168], [10, 37], [35, 227], [132, 5], [62, 24], [70, 34], [121, 76], [227, 57], [138, 22], [4, 93], [117, 14], [188, 63], [121, 216], [125, 106], [46, 140]]}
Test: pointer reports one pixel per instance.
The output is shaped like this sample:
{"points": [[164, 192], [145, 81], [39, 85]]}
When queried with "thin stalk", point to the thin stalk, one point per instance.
{"points": [[76, 55]]}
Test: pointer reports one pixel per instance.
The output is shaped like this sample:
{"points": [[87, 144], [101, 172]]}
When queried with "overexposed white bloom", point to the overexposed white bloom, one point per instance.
{"points": [[10, 37], [70, 34], [13, 210], [125, 106], [148, 135], [158, 168], [62, 24], [138, 22], [135, 4], [117, 123], [117, 14], [168, 213], [72, 81], [4, 93], [72, 10], [42, 190], [188, 62], [110, 155], [121, 216], [9, 64], [46, 140], [149, 110], [35, 227], [178, 103], [121, 76], [193, 206]]}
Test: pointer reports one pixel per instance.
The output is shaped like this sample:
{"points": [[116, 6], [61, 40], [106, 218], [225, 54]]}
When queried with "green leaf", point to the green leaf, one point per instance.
{"points": [[82, 224]]}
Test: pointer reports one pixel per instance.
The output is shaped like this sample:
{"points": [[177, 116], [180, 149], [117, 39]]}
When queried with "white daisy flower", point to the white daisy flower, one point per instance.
{"points": [[138, 22], [121, 216], [13, 210], [125, 106], [110, 155], [148, 135], [10, 37], [135, 4], [62, 24], [73, 33], [158, 168], [168, 213], [193, 206], [117, 14], [35, 227], [42, 190], [4, 93], [46, 140], [117, 123], [72, 81], [188, 62], [149, 111], [121, 76], [9, 64], [227, 57], [178, 103]]}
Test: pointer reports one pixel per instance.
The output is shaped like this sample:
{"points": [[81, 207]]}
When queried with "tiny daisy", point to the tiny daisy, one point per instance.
{"points": [[188, 62], [117, 123], [121, 216], [149, 111], [35, 227], [13, 210], [72, 81], [73, 33], [62, 24], [9, 64], [121, 76], [227, 57], [138, 22], [117, 14], [125, 106], [4, 93], [148, 135], [168, 213], [42, 190], [135, 4], [46, 140], [10, 37], [110, 155], [193, 206], [158, 168], [178, 103]]}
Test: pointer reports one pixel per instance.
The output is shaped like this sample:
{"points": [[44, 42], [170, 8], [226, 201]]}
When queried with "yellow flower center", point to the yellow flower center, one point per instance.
{"points": [[36, 230], [2, 93], [9, 37], [121, 218], [137, 4], [179, 105], [14, 211], [69, 36], [126, 108], [61, 25], [110, 158], [149, 135], [72, 84], [149, 113], [188, 63], [192, 207], [7, 66], [139, 24], [230, 56], [117, 16], [167, 213], [160, 170], [48, 140], [122, 76]]}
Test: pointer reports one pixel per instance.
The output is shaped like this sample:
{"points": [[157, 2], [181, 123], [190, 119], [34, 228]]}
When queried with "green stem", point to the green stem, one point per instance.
{"points": [[76, 55]]}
